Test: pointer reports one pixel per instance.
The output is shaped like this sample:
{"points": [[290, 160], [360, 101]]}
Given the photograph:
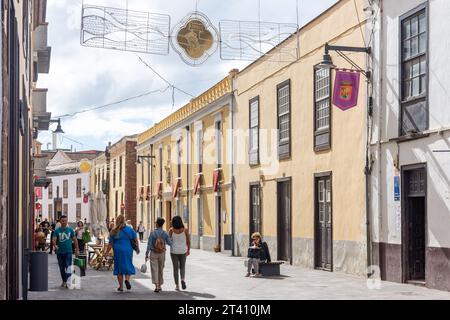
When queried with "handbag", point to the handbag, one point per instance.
{"points": [[144, 268], [133, 244]]}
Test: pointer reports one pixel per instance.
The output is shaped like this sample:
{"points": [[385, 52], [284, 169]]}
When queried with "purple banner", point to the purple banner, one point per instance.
{"points": [[346, 89]]}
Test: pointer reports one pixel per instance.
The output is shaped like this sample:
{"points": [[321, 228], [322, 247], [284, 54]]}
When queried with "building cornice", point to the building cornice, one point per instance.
{"points": [[204, 100]]}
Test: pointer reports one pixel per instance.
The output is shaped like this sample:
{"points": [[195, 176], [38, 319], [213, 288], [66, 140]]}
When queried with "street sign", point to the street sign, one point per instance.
{"points": [[396, 188]]}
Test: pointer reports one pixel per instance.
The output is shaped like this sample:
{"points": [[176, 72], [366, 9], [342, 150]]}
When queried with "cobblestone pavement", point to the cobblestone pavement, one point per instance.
{"points": [[217, 276]]}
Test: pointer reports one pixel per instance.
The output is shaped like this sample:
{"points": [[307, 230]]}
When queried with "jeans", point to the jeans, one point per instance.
{"points": [[252, 262], [179, 265], [64, 262]]}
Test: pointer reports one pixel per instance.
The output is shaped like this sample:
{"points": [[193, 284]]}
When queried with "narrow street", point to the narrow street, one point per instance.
{"points": [[216, 276]]}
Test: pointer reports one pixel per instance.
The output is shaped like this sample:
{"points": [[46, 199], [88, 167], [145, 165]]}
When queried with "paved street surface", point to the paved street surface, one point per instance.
{"points": [[216, 276]]}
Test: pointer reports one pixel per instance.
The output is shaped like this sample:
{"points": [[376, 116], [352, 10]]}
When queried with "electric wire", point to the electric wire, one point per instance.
{"points": [[359, 22], [69, 115]]}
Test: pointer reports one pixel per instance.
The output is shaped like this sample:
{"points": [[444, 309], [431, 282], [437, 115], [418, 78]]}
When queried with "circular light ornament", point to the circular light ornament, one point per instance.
{"points": [[85, 167], [195, 38]]}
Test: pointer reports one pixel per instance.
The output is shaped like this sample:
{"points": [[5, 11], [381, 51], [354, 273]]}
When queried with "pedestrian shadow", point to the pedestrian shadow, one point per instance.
{"points": [[194, 295], [280, 277]]}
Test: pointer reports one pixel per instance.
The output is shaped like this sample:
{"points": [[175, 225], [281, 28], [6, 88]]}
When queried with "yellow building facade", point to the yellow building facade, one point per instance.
{"points": [[303, 186], [185, 168], [99, 174]]}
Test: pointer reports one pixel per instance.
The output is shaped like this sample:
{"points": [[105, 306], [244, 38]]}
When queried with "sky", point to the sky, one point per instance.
{"points": [[82, 77]]}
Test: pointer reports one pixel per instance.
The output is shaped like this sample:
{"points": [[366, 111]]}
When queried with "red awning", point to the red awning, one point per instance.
{"points": [[198, 179], [176, 187], [141, 194], [216, 178], [159, 191], [148, 195]]}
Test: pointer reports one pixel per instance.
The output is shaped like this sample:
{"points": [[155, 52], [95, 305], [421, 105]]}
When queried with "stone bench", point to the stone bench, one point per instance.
{"points": [[270, 269]]}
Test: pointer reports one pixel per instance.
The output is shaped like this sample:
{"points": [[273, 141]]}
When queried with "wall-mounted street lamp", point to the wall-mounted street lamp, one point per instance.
{"points": [[58, 128], [327, 62], [146, 158]]}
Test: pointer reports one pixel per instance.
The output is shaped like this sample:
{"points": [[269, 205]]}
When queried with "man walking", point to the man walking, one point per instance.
{"points": [[156, 251], [62, 241]]}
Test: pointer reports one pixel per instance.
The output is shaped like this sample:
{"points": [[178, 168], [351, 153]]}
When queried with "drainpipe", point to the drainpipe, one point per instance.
{"points": [[188, 173], [233, 74], [380, 119], [368, 162]]}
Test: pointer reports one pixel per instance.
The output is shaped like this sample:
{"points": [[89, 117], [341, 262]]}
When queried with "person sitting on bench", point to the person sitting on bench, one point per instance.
{"points": [[257, 253]]}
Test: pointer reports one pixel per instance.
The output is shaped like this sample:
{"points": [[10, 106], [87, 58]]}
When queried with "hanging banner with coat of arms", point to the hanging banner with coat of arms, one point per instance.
{"points": [[346, 89]]}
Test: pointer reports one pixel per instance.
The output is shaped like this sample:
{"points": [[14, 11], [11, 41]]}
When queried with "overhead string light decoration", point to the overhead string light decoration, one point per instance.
{"points": [[194, 38]]}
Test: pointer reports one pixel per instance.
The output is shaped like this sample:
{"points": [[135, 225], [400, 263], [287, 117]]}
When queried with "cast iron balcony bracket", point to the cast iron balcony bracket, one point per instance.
{"points": [[146, 158], [340, 50]]}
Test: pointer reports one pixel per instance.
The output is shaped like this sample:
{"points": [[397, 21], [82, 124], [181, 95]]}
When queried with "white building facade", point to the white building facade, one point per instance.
{"points": [[70, 202], [68, 192], [410, 176]]}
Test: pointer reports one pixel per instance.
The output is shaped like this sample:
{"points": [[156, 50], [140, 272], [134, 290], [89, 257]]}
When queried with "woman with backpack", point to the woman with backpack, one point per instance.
{"points": [[156, 252], [180, 249], [124, 240]]}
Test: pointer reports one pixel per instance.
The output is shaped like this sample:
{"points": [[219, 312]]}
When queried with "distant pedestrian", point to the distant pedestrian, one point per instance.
{"points": [[53, 228], [121, 239], [129, 223], [111, 225], [45, 225], [41, 239], [79, 230], [58, 223], [156, 252], [180, 249], [141, 230], [62, 240]]}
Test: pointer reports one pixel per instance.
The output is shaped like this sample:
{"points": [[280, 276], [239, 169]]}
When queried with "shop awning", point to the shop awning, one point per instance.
{"points": [[177, 187], [198, 180]]}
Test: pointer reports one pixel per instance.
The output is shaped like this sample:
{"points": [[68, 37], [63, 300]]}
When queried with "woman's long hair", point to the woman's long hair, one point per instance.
{"points": [[177, 223], [120, 224]]}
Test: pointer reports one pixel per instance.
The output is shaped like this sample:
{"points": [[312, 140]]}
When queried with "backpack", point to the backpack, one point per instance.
{"points": [[160, 245]]}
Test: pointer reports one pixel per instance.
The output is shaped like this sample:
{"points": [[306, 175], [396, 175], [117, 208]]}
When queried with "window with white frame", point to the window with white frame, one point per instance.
{"points": [[322, 110], [254, 131], [284, 119], [414, 42], [200, 150]]}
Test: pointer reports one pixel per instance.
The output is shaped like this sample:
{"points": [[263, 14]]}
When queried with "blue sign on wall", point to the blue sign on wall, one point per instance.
{"points": [[396, 188]]}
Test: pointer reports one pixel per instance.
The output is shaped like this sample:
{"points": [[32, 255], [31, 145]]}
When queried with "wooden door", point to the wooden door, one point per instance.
{"points": [[415, 223], [255, 209], [284, 242], [168, 215], [323, 235], [218, 223]]}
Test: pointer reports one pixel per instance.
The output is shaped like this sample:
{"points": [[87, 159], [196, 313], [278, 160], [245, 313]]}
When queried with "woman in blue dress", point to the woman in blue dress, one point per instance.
{"points": [[120, 240]]}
